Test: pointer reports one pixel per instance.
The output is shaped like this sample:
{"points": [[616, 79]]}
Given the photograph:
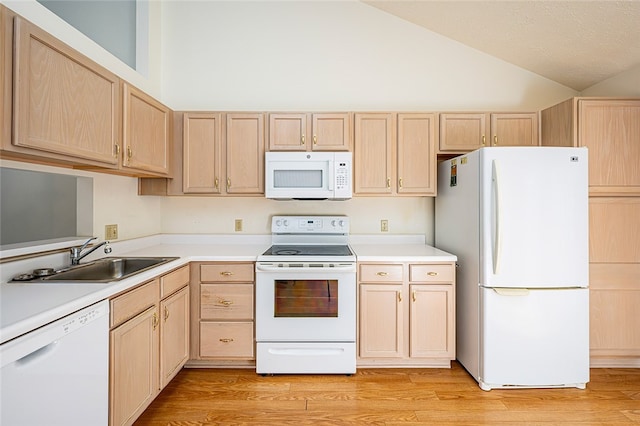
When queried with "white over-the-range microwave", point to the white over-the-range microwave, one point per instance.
{"points": [[308, 175]]}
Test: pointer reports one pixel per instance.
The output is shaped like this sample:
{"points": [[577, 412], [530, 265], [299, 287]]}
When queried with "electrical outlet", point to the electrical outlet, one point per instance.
{"points": [[111, 232], [384, 225], [238, 225]]}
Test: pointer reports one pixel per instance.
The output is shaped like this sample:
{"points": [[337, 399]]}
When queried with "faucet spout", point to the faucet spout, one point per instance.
{"points": [[77, 252]]}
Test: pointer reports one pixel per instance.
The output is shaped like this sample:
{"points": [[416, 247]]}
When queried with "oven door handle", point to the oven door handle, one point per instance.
{"points": [[336, 267]]}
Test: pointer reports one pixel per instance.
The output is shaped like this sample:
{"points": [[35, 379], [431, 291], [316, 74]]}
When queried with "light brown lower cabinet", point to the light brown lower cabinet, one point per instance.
{"points": [[406, 314], [614, 281], [222, 314], [149, 343]]}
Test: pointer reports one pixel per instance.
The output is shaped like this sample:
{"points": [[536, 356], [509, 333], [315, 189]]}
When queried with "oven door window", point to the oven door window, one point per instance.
{"points": [[306, 298]]}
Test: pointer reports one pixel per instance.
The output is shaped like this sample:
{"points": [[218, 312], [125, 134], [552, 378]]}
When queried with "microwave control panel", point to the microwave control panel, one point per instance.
{"points": [[342, 168]]}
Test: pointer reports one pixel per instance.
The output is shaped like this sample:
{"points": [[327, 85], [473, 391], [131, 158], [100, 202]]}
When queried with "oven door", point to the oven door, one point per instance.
{"points": [[306, 304]]}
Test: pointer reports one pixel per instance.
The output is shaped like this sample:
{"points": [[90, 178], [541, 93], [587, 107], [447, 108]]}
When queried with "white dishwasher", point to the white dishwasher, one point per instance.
{"points": [[58, 374]]}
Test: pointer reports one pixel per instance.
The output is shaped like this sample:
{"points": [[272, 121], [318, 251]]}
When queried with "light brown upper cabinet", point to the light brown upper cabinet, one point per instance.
{"points": [[387, 162], [244, 153], [309, 132], [464, 132], [610, 129], [146, 133], [66, 108], [202, 161], [221, 154], [6, 73], [416, 154], [374, 153]]}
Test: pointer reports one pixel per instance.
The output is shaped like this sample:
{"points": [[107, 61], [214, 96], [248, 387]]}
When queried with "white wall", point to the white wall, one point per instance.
{"points": [[625, 84], [410, 215], [330, 55]]}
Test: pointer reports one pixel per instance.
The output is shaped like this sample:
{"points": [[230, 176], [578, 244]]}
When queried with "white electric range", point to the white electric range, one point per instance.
{"points": [[306, 298]]}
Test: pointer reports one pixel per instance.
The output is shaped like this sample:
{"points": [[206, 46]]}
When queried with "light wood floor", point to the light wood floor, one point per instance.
{"points": [[388, 397]]}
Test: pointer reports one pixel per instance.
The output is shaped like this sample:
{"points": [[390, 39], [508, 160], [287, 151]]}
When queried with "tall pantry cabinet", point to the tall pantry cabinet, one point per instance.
{"points": [[610, 129]]}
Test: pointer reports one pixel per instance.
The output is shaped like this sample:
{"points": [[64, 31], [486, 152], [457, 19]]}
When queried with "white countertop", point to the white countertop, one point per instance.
{"points": [[400, 253], [25, 307]]}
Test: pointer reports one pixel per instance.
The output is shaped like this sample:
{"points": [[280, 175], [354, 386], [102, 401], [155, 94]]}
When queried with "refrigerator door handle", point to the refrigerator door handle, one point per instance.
{"points": [[512, 291], [496, 198]]}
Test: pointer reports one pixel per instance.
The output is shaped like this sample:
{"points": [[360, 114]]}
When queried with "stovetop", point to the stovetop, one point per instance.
{"points": [[308, 250], [309, 239]]}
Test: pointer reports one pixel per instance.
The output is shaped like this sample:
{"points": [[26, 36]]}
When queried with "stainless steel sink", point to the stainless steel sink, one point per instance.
{"points": [[108, 269]]}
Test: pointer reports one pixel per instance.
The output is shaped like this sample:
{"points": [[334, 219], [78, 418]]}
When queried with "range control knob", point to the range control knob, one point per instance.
{"points": [[341, 223], [285, 222], [278, 222], [334, 223]]}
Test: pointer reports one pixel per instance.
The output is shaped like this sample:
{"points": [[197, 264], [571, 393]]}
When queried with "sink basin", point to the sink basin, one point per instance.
{"points": [[108, 269]]}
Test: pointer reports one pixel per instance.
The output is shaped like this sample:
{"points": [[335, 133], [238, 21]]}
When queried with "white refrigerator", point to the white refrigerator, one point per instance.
{"points": [[517, 218]]}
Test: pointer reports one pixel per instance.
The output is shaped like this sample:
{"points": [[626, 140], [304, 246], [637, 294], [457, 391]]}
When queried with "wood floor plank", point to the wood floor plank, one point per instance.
{"points": [[388, 397]]}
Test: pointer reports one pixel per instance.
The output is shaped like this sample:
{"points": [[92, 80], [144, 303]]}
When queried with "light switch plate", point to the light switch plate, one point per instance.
{"points": [[238, 225]]}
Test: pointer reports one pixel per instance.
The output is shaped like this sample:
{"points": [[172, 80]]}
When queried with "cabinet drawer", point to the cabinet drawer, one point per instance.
{"points": [[173, 281], [380, 273], [438, 273], [226, 339], [133, 302], [226, 301], [230, 272]]}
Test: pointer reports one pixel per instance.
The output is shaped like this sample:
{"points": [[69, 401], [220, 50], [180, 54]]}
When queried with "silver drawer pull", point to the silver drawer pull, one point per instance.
{"points": [[225, 302], [226, 273], [382, 274], [432, 274], [227, 340]]}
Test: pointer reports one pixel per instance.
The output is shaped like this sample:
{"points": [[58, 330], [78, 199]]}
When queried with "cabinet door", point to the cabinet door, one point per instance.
{"points": [[331, 132], [174, 335], [614, 276], [6, 74], [201, 153], [64, 104], [381, 328], [245, 153], [514, 129], [288, 132], [374, 153], [462, 132], [614, 323], [432, 327], [611, 131], [416, 154], [146, 132], [133, 376]]}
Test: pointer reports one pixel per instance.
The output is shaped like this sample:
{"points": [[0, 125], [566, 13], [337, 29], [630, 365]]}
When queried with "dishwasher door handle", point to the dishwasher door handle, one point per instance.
{"points": [[37, 355]]}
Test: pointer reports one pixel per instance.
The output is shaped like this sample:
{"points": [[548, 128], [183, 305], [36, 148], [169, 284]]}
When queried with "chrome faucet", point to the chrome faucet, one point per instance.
{"points": [[77, 255]]}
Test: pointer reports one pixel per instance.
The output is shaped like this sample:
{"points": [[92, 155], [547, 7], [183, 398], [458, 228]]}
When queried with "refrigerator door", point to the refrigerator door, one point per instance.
{"points": [[534, 217], [537, 338]]}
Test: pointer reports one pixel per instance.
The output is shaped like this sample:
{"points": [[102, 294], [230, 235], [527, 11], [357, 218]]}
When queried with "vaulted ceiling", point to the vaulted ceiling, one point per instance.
{"points": [[575, 43]]}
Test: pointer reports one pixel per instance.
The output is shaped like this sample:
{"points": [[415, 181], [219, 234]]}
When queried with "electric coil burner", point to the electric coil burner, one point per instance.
{"points": [[306, 298]]}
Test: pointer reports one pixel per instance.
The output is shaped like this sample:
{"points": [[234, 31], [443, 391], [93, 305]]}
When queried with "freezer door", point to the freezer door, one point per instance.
{"points": [[534, 217], [537, 338]]}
